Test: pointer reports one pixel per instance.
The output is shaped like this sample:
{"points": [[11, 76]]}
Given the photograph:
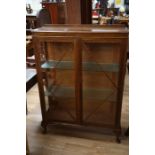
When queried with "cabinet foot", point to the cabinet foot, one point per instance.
{"points": [[118, 140], [44, 126], [118, 134]]}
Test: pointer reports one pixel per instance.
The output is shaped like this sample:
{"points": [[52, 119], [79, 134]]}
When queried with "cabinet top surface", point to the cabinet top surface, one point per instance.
{"points": [[81, 29], [52, 2]]}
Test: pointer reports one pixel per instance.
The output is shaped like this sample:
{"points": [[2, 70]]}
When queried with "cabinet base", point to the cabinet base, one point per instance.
{"points": [[117, 132]]}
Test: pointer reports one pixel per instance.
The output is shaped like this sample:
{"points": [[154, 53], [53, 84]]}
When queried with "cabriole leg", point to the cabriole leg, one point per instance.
{"points": [[118, 134], [44, 126]]}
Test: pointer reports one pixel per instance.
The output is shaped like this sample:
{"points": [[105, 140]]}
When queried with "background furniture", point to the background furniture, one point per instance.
{"points": [[57, 11], [114, 20], [70, 12], [124, 20], [37, 19], [79, 12], [31, 22], [84, 67], [30, 58], [43, 17]]}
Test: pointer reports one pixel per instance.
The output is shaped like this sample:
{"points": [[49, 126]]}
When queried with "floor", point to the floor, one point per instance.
{"points": [[67, 140]]}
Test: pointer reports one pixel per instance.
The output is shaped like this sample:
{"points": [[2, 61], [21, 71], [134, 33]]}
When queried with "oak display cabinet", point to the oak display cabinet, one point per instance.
{"points": [[84, 69]]}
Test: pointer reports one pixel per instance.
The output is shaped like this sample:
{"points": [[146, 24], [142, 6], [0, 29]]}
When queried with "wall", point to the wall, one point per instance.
{"points": [[35, 4]]}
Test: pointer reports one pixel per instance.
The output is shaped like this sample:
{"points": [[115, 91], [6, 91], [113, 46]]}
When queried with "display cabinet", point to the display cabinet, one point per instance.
{"points": [[84, 68]]}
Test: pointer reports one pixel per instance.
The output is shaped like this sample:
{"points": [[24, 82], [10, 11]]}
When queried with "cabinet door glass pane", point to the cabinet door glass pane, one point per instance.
{"points": [[60, 81], [100, 68]]}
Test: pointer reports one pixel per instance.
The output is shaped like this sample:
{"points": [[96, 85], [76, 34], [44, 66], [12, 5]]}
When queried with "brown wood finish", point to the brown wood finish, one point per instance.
{"points": [[73, 11], [86, 68], [78, 11], [78, 76], [70, 12], [57, 11], [39, 79], [86, 11], [121, 84]]}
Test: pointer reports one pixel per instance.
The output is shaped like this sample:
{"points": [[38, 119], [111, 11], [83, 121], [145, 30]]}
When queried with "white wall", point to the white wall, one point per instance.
{"points": [[35, 4]]}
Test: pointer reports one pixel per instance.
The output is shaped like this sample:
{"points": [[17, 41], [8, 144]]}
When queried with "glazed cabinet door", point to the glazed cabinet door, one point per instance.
{"points": [[100, 76], [59, 82]]}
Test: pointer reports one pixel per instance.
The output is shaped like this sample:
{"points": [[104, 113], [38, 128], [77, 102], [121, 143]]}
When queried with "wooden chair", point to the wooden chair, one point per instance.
{"points": [[43, 17]]}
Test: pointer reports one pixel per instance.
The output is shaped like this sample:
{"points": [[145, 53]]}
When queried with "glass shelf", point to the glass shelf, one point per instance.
{"points": [[87, 66], [57, 64]]}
